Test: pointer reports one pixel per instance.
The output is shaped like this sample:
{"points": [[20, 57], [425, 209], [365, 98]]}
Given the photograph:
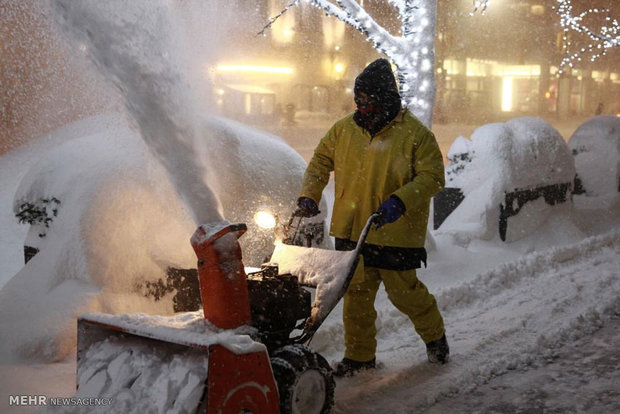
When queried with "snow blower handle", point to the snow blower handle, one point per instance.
{"points": [[373, 219], [311, 324]]}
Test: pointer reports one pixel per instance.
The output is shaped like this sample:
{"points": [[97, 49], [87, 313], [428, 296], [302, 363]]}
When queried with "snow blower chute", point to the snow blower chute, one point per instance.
{"points": [[238, 355]]}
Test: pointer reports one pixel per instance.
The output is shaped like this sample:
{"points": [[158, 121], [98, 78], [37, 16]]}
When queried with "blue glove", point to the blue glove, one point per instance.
{"points": [[306, 207], [390, 211]]}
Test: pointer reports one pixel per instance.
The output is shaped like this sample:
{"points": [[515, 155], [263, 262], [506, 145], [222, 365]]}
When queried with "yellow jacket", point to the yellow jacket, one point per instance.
{"points": [[402, 159]]}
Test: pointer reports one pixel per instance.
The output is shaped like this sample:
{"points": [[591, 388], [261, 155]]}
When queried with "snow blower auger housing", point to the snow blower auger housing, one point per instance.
{"points": [[237, 356]]}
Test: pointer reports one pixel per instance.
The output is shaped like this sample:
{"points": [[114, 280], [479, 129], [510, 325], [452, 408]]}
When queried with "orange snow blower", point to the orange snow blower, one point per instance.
{"points": [[235, 375], [236, 356]]}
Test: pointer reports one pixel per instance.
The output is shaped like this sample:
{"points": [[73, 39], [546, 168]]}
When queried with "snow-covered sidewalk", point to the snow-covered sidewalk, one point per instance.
{"points": [[555, 308]]}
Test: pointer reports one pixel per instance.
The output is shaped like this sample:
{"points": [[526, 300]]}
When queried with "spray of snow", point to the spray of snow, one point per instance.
{"points": [[143, 49], [120, 224], [135, 45]]}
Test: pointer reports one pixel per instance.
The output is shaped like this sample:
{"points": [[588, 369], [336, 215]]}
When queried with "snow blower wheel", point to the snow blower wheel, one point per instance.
{"points": [[305, 381]]}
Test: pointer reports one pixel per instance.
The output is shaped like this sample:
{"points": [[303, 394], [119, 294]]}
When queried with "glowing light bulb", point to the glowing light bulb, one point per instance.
{"points": [[265, 219]]}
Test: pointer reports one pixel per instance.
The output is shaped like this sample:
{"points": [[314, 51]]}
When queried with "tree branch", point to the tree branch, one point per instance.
{"points": [[272, 20]]}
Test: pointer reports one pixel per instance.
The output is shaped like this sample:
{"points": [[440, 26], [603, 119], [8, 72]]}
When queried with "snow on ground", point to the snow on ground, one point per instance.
{"points": [[519, 316]]}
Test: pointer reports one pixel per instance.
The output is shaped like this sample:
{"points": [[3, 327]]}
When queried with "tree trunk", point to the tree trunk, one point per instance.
{"points": [[416, 61]]}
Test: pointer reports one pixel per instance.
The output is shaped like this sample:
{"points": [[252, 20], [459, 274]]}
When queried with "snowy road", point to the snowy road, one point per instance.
{"points": [[506, 322]]}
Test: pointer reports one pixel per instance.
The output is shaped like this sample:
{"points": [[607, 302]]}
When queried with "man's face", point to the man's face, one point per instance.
{"points": [[366, 104]]}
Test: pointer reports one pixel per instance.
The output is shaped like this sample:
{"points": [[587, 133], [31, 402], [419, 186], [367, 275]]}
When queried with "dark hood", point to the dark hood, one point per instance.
{"points": [[377, 81]]}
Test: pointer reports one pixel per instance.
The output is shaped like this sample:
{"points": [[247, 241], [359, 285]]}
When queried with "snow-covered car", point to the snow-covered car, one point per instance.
{"points": [[595, 145], [505, 181], [108, 223]]}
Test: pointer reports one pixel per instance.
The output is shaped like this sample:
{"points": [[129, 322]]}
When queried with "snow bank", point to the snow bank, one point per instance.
{"points": [[506, 276], [520, 154]]}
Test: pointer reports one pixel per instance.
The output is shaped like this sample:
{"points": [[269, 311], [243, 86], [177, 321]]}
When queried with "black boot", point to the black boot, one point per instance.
{"points": [[438, 351], [348, 367]]}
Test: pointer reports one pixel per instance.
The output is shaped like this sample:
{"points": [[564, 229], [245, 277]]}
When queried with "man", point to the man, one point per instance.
{"points": [[385, 160]]}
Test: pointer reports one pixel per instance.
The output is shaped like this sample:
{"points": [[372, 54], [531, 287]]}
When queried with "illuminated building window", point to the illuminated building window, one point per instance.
{"points": [[537, 9]]}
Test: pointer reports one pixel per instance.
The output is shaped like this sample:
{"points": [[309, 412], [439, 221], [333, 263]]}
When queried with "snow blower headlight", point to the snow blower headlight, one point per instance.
{"points": [[265, 219]]}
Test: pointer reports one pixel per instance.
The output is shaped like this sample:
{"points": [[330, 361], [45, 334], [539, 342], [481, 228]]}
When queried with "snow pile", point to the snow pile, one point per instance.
{"points": [[520, 153], [15, 165], [596, 148], [523, 153]]}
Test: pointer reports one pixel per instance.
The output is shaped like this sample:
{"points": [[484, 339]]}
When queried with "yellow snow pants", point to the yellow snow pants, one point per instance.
{"points": [[406, 292]]}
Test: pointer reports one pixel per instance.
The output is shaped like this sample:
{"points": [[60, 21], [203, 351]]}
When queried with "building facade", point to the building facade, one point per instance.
{"points": [[489, 67]]}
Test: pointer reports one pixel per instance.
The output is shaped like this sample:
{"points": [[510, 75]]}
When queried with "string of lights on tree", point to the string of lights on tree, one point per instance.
{"points": [[480, 6], [412, 52], [600, 39]]}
